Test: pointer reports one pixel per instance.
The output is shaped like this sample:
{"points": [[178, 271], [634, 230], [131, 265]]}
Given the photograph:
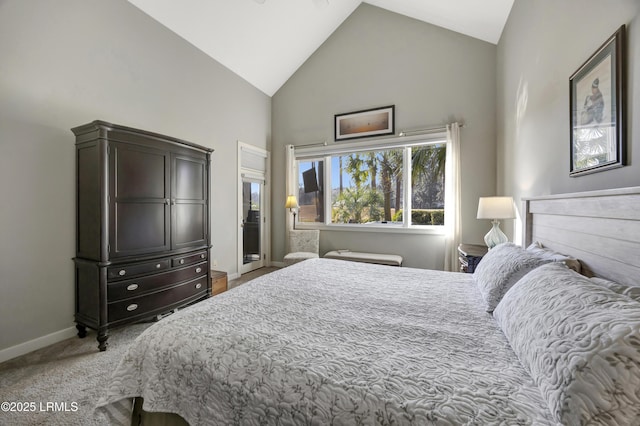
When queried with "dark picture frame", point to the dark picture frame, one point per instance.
{"points": [[597, 106], [365, 123]]}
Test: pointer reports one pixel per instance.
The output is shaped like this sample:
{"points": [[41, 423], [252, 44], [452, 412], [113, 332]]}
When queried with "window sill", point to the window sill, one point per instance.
{"points": [[383, 229]]}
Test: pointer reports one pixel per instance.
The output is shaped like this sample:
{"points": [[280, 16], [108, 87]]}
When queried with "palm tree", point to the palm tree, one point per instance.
{"points": [[350, 205], [340, 167], [397, 161], [427, 174], [430, 157], [372, 163], [355, 169], [391, 170]]}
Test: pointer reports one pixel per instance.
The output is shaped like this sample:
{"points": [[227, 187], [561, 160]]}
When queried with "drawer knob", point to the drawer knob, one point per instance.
{"points": [[158, 266], [198, 270], [198, 285], [202, 256], [132, 287], [181, 261], [122, 272], [132, 307]]}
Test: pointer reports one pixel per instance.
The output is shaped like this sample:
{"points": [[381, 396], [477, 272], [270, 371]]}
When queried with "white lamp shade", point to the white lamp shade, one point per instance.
{"points": [[496, 208], [292, 202]]}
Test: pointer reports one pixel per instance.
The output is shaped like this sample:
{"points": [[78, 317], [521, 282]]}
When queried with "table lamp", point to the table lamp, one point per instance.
{"points": [[292, 203], [495, 208]]}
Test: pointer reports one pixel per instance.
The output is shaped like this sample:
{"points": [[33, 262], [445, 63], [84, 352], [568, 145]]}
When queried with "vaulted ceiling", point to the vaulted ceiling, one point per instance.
{"points": [[266, 41]]}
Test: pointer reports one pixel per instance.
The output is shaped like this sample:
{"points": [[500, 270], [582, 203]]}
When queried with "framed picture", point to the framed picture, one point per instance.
{"points": [[365, 123], [597, 100]]}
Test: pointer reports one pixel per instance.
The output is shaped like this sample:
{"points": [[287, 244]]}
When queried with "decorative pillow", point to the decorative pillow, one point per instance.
{"points": [[580, 343], [571, 262], [630, 291], [501, 268]]}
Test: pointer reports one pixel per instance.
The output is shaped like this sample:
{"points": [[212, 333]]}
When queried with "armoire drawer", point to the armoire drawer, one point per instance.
{"points": [[155, 303], [190, 258], [132, 288], [131, 270]]}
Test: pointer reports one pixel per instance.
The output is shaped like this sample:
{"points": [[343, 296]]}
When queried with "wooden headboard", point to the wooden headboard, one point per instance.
{"points": [[600, 228]]}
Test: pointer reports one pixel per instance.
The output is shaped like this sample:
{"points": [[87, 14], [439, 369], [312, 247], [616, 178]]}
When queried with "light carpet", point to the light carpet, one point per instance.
{"points": [[70, 374]]}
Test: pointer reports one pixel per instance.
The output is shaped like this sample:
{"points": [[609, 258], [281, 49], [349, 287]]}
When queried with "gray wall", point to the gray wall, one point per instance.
{"points": [[543, 44], [67, 62], [432, 76]]}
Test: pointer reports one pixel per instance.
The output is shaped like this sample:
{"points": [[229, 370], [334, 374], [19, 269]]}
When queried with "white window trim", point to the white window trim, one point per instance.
{"points": [[390, 229], [325, 152], [315, 151]]}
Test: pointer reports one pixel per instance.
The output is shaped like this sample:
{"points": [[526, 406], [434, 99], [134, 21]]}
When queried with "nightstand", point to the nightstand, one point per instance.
{"points": [[218, 282], [469, 256]]}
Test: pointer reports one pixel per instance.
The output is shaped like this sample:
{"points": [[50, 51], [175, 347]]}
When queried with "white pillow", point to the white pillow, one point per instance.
{"points": [[542, 251], [629, 291], [501, 268], [580, 343]]}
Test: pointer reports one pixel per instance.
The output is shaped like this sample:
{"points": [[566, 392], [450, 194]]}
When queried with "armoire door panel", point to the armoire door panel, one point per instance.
{"points": [[140, 173], [139, 193], [189, 194], [190, 225], [140, 228], [189, 178]]}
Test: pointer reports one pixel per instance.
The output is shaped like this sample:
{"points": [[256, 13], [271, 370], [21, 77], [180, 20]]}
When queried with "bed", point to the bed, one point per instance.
{"points": [[524, 340]]}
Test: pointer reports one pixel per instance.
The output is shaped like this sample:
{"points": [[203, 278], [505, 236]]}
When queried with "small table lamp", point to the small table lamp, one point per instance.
{"points": [[495, 208], [292, 203]]}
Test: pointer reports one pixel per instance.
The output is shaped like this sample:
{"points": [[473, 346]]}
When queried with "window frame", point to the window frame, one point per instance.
{"points": [[326, 152]]}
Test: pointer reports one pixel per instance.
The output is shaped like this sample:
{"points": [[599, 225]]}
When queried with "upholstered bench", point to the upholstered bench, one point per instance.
{"points": [[355, 256]]}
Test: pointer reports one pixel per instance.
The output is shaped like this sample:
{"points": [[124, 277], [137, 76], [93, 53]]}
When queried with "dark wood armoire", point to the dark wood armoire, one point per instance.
{"points": [[142, 237]]}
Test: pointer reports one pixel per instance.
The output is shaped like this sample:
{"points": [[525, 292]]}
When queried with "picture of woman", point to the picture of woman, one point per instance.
{"points": [[593, 105]]}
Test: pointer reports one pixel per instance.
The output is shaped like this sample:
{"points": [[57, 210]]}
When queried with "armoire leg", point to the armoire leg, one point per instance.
{"points": [[102, 340], [82, 331]]}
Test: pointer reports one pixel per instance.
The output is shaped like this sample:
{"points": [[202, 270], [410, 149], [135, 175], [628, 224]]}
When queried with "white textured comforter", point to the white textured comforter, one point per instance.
{"points": [[333, 342]]}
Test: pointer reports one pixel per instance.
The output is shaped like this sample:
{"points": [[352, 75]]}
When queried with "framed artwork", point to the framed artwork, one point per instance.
{"points": [[365, 123], [597, 101]]}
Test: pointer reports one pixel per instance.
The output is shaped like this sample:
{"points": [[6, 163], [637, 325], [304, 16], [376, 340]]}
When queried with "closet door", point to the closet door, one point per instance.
{"points": [[139, 189], [189, 190]]}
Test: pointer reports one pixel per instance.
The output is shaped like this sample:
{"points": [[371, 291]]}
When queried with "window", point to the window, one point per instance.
{"points": [[366, 187], [427, 184], [310, 191], [374, 187]]}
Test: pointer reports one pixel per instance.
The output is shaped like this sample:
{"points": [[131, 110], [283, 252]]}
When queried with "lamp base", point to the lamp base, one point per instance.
{"points": [[495, 236]]}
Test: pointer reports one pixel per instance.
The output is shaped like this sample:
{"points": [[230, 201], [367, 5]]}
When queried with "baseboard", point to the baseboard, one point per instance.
{"points": [[277, 264], [35, 344]]}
